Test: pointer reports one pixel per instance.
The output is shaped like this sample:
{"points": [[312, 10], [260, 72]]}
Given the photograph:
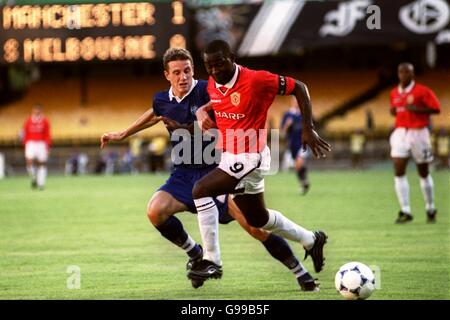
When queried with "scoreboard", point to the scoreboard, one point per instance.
{"points": [[91, 31]]}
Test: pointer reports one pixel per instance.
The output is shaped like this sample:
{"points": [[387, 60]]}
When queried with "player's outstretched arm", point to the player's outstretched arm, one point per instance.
{"points": [[145, 121], [423, 110], [309, 136]]}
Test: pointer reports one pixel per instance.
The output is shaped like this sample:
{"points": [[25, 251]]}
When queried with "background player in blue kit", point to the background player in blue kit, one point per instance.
{"points": [[291, 128], [177, 107]]}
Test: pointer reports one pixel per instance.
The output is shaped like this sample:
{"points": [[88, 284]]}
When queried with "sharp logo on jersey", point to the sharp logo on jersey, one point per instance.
{"points": [[216, 100], [235, 98], [229, 115]]}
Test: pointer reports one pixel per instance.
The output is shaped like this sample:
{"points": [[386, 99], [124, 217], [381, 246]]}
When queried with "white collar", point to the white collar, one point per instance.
{"points": [[232, 82], [408, 88], [171, 95]]}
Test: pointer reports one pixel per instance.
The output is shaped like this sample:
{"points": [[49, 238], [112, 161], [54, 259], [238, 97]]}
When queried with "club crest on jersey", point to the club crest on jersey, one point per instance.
{"points": [[194, 110], [235, 98]]}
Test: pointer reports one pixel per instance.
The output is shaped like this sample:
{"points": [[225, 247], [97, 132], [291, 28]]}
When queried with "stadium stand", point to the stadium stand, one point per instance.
{"points": [[328, 89], [111, 104], [437, 80]]}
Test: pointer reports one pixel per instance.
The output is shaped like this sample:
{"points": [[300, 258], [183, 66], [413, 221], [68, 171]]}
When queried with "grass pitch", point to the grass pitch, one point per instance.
{"points": [[98, 226]]}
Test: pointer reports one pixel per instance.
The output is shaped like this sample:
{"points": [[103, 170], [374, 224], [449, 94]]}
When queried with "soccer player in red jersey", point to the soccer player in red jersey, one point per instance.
{"points": [[176, 108], [37, 141], [412, 104], [240, 98]]}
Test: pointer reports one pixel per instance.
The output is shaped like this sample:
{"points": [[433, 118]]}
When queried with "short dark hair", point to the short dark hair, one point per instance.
{"points": [[407, 65], [216, 46], [176, 54]]}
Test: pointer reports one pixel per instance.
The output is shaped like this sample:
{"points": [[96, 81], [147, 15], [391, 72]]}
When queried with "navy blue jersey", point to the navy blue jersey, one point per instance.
{"points": [[294, 131], [183, 112]]}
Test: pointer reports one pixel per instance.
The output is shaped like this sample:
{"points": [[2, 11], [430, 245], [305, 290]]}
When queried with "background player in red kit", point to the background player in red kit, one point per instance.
{"points": [[37, 141], [240, 98], [412, 104]]}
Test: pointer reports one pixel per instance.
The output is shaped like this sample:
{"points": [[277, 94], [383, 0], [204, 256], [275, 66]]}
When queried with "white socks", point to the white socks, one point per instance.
{"points": [[208, 220], [426, 184], [402, 190], [31, 169], [282, 226], [41, 175]]}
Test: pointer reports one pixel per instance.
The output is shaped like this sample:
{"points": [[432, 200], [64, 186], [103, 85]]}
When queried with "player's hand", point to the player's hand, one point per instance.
{"points": [[413, 108], [317, 145], [109, 136], [171, 124], [204, 120]]}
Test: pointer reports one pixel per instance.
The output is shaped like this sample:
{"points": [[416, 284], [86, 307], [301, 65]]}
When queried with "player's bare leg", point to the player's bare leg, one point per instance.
{"points": [[427, 186], [252, 206], [161, 210], [402, 190], [31, 169], [256, 214], [277, 247]]}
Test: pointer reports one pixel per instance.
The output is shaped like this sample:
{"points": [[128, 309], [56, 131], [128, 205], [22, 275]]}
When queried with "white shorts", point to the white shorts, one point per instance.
{"points": [[249, 168], [411, 142], [36, 150]]}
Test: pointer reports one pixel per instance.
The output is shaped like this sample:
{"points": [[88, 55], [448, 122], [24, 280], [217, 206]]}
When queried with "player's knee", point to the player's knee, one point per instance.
{"points": [[199, 190], [256, 222], [155, 213], [423, 171]]}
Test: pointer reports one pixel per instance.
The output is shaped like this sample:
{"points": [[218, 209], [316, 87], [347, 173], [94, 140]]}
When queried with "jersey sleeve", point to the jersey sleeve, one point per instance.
{"points": [[48, 138], [430, 100], [155, 107], [25, 132], [279, 85], [203, 95]]}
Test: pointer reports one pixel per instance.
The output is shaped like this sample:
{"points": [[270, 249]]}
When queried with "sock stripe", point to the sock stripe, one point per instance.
{"points": [[297, 268], [204, 209], [204, 204]]}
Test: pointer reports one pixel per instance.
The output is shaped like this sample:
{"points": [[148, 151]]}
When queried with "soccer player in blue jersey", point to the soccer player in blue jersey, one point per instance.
{"points": [[176, 107], [291, 128]]}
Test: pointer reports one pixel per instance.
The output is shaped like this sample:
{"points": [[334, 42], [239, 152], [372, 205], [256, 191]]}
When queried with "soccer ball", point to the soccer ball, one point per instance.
{"points": [[355, 280]]}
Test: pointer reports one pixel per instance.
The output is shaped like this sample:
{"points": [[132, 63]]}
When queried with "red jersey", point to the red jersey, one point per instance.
{"points": [[241, 106], [415, 94], [37, 129]]}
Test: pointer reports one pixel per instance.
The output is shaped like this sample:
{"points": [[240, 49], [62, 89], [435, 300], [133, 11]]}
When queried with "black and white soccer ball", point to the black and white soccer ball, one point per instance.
{"points": [[354, 281]]}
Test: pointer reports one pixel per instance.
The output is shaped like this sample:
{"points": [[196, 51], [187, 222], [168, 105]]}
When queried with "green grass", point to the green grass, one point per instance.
{"points": [[99, 224]]}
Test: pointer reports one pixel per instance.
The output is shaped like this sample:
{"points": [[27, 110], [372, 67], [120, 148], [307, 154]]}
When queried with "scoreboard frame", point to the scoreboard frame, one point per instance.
{"points": [[91, 31]]}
